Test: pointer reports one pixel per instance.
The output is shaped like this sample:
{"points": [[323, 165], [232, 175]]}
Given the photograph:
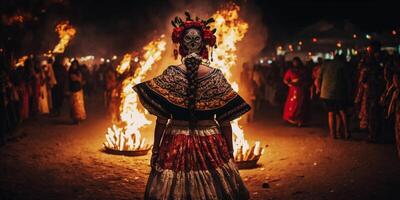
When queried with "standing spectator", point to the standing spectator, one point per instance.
{"points": [[34, 86], [85, 77], [332, 84], [58, 90], [23, 93], [3, 106], [51, 81], [386, 101], [371, 86], [271, 83], [395, 107], [110, 78], [43, 95], [296, 107], [78, 112], [315, 73]]}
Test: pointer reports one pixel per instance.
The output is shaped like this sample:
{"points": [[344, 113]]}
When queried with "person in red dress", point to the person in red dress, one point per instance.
{"points": [[296, 106]]}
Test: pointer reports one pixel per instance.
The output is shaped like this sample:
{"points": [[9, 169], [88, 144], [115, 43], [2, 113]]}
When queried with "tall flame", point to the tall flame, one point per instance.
{"points": [[128, 136], [65, 32], [230, 30]]}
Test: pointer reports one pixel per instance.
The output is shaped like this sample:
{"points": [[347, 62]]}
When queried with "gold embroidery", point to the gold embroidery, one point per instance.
{"points": [[213, 90]]}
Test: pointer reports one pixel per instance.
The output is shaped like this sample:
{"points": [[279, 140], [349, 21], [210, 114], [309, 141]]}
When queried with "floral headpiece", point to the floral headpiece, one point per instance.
{"points": [[181, 26]]}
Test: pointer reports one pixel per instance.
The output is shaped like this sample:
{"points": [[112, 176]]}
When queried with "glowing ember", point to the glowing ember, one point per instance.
{"points": [[65, 32], [21, 61], [230, 30], [126, 136]]}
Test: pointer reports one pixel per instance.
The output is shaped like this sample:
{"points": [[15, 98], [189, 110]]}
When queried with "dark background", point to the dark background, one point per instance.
{"points": [[123, 25]]}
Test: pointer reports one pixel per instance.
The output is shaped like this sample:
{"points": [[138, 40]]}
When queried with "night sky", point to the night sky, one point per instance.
{"points": [[125, 24]]}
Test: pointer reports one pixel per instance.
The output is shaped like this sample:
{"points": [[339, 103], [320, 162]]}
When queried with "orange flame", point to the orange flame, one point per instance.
{"points": [[128, 136], [230, 30], [125, 63], [21, 61], [65, 32]]}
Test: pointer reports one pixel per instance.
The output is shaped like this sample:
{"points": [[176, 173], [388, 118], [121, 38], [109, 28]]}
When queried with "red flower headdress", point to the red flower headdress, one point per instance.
{"points": [[180, 26]]}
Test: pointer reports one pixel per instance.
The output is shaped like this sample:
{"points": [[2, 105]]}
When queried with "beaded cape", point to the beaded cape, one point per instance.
{"points": [[166, 96]]}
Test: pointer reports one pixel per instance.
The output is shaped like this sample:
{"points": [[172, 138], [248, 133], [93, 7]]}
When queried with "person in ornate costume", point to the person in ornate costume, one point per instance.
{"points": [[192, 157]]}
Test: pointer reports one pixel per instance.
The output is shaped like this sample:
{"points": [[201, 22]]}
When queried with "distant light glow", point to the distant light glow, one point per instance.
{"points": [[314, 40], [290, 47]]}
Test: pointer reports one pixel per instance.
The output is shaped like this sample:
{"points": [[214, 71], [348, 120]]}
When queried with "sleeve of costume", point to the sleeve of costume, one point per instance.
{"points": [[152, 101], [286, 77], [234, 106]]}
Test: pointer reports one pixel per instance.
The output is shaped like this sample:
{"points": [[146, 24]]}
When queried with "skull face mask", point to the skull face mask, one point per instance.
{"points": [[193, 41]]}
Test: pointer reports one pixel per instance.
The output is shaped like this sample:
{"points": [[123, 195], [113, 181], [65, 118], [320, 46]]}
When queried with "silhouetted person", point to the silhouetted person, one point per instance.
{"points": [[58, 90]]}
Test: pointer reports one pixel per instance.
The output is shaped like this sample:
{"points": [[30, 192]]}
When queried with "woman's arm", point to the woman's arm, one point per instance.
{"points": [[226, 130], [158, 134]]}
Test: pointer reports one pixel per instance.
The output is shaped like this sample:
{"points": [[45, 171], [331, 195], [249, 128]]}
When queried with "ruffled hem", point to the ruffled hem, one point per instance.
{"points": [[220, 183]]}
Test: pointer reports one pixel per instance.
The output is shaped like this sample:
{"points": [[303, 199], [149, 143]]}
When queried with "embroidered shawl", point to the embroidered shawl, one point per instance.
{"points": [[165, 96]]}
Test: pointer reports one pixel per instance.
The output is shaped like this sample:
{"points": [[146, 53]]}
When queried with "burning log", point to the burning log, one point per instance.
{"points": [[249, 158]]}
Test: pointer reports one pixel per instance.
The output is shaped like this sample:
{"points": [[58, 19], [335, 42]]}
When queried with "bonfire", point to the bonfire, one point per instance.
{"points": [[125, 137]]}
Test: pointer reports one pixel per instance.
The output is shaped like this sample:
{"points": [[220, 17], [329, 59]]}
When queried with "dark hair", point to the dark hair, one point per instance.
{"points": [[300, 63], [192, 67], [74, 63]]}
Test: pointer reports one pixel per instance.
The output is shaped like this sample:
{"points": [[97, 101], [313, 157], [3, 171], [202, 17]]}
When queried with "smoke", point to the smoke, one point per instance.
{"points": [[256, 36]]}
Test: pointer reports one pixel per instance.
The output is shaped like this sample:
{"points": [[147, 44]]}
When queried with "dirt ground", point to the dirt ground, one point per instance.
{"points": [[52, 159]]}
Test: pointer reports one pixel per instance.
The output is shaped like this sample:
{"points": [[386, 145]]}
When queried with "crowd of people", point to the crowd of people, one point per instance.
{"points": [[361, 92], [44, 86]]}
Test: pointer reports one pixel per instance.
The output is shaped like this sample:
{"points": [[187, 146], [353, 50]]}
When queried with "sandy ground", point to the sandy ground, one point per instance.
{"points": [[55, 160]]}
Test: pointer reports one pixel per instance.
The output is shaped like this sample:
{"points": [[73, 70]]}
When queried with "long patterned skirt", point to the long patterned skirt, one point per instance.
{"points": [[194, 165], [78, 112]]}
